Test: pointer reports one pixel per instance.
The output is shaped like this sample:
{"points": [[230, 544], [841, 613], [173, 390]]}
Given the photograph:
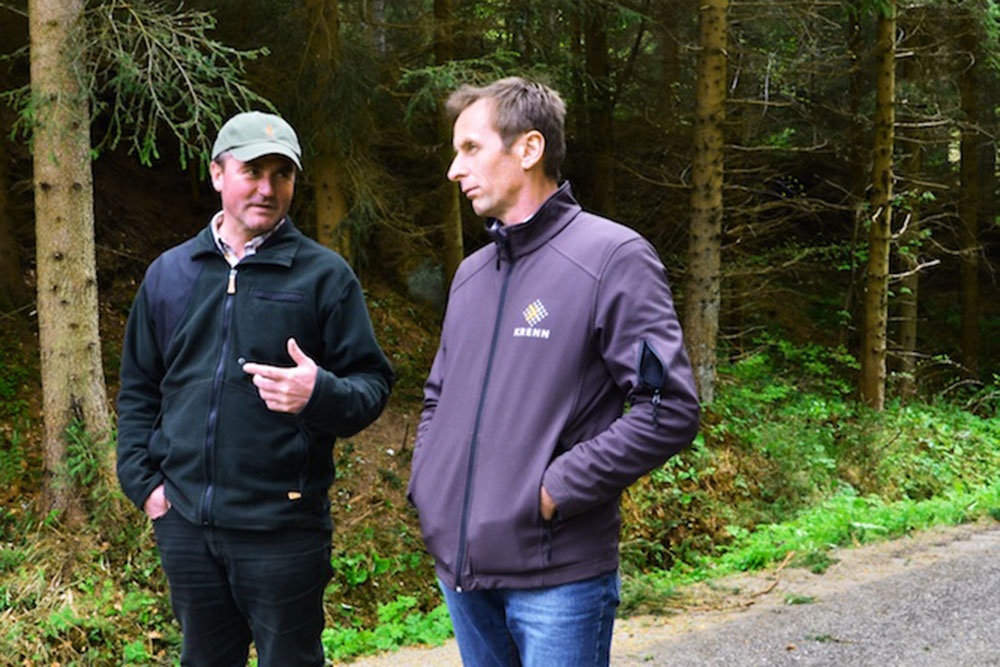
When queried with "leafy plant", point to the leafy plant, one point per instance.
{"points": [[399, 623], [135, 653]]}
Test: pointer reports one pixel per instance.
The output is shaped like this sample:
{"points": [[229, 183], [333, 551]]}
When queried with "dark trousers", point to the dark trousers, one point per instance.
{"points": [[230, 586]]}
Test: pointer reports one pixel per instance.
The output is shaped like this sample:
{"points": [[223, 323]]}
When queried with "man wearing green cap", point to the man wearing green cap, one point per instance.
{"points": [[248, 350]]}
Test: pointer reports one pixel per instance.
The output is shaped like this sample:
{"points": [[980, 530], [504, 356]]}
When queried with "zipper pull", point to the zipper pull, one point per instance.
{"points": [[231, 287], [656, 407]]}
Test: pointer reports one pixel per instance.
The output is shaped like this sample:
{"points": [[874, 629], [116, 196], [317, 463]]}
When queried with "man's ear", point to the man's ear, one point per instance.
{"points": [[532, 149], [215, 170]]}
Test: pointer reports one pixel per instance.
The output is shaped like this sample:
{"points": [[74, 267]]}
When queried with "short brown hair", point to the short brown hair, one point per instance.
{"points": [[519, 106]]}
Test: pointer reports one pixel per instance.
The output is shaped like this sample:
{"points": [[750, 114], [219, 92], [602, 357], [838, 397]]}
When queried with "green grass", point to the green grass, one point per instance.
{"points": [[843, 519]]}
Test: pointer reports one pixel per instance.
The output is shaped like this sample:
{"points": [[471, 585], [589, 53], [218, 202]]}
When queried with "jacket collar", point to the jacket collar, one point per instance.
{"points": [[552, 216], [278, 249]]}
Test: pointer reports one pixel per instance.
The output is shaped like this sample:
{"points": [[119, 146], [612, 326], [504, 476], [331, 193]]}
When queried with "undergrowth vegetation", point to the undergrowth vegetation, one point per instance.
{"points": [[786, 461]]}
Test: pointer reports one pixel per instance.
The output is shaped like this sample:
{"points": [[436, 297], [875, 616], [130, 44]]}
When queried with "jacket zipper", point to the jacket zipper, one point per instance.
{"points": [[213, 408], [475, 433]]}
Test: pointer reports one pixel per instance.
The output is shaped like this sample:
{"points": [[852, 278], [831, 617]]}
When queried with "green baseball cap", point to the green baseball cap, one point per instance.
{"points": [[251, 134]]}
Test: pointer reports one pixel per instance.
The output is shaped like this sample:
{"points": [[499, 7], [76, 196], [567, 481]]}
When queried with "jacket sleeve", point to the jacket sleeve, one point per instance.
{"points": [[354, 377], [639, 339], [139, 403]]}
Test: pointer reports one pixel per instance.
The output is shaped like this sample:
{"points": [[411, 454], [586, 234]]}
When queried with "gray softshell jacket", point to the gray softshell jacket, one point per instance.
{"points": [[548, 333]]}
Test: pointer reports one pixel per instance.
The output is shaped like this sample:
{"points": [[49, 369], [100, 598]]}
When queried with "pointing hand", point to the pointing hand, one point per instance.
{"points": [[285, 389]]}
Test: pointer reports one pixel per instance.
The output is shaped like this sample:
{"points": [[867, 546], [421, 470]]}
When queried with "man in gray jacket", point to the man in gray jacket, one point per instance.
{"points": [[524, 446]]}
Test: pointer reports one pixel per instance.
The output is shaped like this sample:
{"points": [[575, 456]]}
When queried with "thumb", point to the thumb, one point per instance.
{"points": [[295, 352]]}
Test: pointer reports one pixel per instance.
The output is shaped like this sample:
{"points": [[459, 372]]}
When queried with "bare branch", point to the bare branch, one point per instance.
{"points": [[765, 103], [914, 270], [786, 149], [14, 10], [902, 230]]}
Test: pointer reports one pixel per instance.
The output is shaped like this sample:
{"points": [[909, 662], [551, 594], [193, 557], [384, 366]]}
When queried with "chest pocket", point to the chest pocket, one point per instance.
{"points": [[268, 320], [270, 295]]}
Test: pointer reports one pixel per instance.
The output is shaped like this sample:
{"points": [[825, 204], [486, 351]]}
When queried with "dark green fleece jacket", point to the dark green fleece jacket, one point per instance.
{"points": [[190, 417]]}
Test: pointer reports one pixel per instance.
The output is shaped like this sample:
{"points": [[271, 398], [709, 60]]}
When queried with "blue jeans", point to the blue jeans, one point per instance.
{"points": [[559, 626], [230, 586]]}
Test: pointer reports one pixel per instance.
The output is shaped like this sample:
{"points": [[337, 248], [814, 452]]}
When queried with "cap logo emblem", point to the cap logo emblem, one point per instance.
{"points": [[269, 130]]}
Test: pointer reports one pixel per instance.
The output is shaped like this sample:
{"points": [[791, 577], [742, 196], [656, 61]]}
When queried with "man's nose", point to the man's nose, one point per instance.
{"points": [[265, 186], [456, 170]]}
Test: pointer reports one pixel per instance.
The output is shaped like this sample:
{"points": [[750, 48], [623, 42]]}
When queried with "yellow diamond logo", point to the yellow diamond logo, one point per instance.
{"points": [[535, 312]]}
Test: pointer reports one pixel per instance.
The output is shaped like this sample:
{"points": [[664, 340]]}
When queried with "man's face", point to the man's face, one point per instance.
{"points": [[255, 194], [489, 174]]}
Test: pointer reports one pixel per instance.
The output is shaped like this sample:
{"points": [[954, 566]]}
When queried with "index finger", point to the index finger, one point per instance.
{"points": [[269, 372]]}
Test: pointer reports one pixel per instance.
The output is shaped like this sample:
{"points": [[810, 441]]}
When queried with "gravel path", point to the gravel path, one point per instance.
{"points": [[930, 599]]}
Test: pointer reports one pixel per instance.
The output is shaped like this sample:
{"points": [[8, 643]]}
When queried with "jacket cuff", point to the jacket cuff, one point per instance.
{"points": [[325, 385], [553, 483], [139, 496]]}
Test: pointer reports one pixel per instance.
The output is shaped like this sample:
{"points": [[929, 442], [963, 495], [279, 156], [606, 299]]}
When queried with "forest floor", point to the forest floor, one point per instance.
{"points": [[906, 601]]}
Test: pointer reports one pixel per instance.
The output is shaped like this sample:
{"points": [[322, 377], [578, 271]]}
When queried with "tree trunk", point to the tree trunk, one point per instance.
{"points": [[909, 289], [13, 293], [856, 158], [451, 212], [327, 172], [668, 18], [701, 298], [909, 241], [72, 377], [575, 124], [990, 92], [331, 206], [969, 200], [377, 17], [873, 348], [599, 108]]}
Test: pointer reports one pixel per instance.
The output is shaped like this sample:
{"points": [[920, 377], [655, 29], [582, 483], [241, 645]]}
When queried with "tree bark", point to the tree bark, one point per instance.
{"points": [[969, 200], [702, 296], [600, 106], [331, 206], [873, 349], [909, 242], [377, 17], [576, 125], [451, 212], [856, 158], [73, 386], [668, 23], [909, 289]]}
